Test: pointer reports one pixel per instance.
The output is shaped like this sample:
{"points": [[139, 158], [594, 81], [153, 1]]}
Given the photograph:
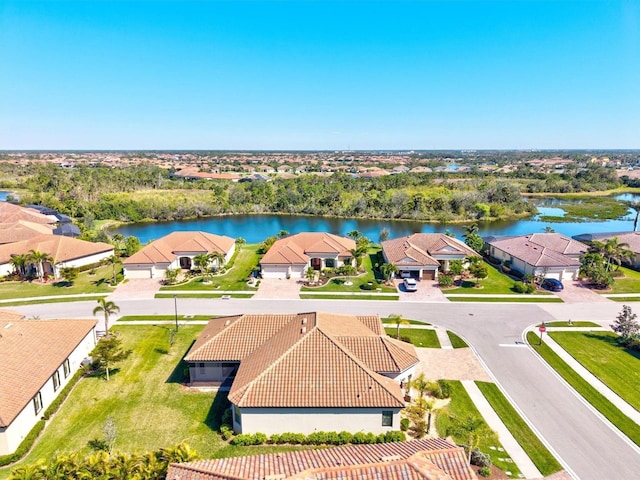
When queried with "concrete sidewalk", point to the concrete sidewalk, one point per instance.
{"points": [[507, 440]]}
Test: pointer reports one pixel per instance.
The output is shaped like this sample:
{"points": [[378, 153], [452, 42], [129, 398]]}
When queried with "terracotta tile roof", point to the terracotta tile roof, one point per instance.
{"points": [[296, 249], [427, 459], [61, 248], [22, 230], [30, 351], [420, 249], [381, 354], [165, 249], [10, 315], [10, 213], [630, 238], [541, 249]]}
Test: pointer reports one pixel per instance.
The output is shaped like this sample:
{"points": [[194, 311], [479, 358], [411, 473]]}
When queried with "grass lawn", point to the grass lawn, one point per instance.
{"points": [[456, 341], [531, 444], [205, 295], [147, 402], [490, 299], [420, 337], [85, 283], [462, 406], [496, 282], [630, 283], [244, 262], [410, 322], [598, 352], [337, 296], [573, 324], [590, 394], [160, 318]]}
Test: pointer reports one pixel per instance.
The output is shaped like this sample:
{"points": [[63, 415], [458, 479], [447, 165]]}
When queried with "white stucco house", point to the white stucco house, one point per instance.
{"points": [[305, 372], [543, 255], [422, 255], [176, 250], [290, 257], [37, 359]]}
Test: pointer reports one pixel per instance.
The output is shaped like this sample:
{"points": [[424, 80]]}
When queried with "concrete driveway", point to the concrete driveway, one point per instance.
{"points": [[428, 291], [278, 288], [577, 292]]}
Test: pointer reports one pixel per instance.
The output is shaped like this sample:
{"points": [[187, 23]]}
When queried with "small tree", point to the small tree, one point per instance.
{"points": [[470, 429], [456, 267], [384, 234], [171, 275], [113, 261], [626, 324], [310, 274], [69, 274], [109, 351], [388, 270], [479, 270]]}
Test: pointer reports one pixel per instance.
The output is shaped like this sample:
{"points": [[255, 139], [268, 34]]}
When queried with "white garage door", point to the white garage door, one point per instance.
{"points": [[138, 272], [274, 271]]}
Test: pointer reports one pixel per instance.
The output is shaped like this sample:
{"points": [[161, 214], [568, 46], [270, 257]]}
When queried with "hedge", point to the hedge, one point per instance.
{"points": [[318, 438], [24, 446]]}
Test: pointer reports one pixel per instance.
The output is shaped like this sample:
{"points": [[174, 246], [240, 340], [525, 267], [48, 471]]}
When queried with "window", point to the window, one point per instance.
{"points": [[330, 263], [37, 402], [56, 380], [67, 368], [237, 416], [387, 418], [201, 367]]}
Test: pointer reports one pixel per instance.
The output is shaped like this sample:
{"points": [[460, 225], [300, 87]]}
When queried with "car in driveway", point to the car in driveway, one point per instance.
{"points": [[410, 284], [552, 285]]}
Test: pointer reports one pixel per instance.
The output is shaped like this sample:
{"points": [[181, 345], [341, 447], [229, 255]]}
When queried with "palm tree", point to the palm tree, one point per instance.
{"points": [[108, 308], [398, 320], [117, 239], [218, 258], [388, 270], [420, 383], [38, 257], [357, 253], [472, 428], [471, 230], [201, 261], [113, 261], [618, 251], [549, 229], [354, 234], [310, 274], [19, 263]]}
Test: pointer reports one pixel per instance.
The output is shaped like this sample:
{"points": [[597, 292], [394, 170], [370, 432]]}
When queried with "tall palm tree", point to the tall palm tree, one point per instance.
{"points": [[354, 234], [108, 308], [201, 261], [218, 258], [113, 261], [398, 320], [38, 257], [471, 230], [19, 263], [117, 239], [617, 251]]}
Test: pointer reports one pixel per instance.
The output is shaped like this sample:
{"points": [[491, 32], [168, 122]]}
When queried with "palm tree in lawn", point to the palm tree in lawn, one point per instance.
{"points": [[388, 270], [617, 251], [108, 308], [201, 261], [398, 320], [113, 261], [218, 258], [19, 263], [38, 257], [117, 239]]}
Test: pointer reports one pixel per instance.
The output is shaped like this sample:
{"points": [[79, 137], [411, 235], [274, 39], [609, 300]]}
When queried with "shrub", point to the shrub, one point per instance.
{"points": [[445, 280], [405, 339], [225, 432], [345, 437], [445, 389], [316, 438], [292, 438], [395, 435], [226, 417], [404, 424], [241, 440], [519, 287], [480, 459], [24, 446], [333, 438], [368, 286], [484, 472]]}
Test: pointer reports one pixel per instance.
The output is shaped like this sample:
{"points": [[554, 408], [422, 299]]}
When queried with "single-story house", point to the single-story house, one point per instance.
{"points": [[65, 251], [290, 257], [632, 239], [421, 255], [543, 255], [426, 459], [22, 230], [176, 250], [10, 213], [305, 372], [37, 359]]}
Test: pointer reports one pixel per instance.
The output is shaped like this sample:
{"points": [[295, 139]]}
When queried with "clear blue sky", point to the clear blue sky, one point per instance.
{"points": [[319, 75]]}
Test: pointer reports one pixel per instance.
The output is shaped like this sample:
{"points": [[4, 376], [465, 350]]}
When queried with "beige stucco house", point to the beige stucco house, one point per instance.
{"points": [[290, 257], [631, 239], [176, 250], [305, 372], [37, 359]]}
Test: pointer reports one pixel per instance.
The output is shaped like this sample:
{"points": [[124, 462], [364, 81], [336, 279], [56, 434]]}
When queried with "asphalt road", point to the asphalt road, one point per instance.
{"points": [[589, 447]]}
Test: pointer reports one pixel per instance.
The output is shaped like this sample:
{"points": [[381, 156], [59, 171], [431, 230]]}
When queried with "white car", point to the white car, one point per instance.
{"points": [[410, 284]]}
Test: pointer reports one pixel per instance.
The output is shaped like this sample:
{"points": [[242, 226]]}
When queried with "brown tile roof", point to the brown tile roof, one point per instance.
{"points": [[22, 230], [630, 238], [10, 213], [165, 249], [419, 249], [10, 315], [541, 249], [427, 459], [296, 249], [61, 248], [306, 360], [30, 351]]}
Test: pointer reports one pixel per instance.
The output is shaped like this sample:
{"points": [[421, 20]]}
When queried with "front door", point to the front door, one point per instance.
{"points": [[316, 263], [185, 263]]}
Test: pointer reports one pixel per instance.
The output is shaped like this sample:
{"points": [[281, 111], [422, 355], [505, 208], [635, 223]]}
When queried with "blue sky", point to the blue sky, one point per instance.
{"points": [[319, 75]]}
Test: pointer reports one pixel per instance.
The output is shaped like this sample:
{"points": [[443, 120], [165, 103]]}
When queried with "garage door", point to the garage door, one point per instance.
{"points": [[428, 274], [138, 272], [274, 271]]}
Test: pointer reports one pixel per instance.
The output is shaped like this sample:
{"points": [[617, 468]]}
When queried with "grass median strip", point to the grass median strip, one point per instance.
{"points": [[590, 394], [531, 444], [419, 337], [488, 298], [456, 341]]}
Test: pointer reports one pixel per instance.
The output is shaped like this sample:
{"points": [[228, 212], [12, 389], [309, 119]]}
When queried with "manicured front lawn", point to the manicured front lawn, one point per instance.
{"points": [[590, 394], [496, 282], [85, 283], [573, 324], [462, 406], [531, 444], [630, 283], [456, 341], [420, 337], [598, 352], [490, 299], [337, 296], [245, 261]]}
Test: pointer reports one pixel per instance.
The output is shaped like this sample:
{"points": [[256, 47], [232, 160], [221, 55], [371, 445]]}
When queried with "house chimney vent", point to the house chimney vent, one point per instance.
{"points": [[304, 321], [227, 323], [303, 330]]}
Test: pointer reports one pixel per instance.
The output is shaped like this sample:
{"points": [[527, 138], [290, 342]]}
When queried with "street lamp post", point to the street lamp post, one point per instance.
{"points": [[175, 306]]}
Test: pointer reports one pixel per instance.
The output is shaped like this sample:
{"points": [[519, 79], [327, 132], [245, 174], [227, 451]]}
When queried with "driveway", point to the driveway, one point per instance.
{"points": [[428, 291], [278, 288], [138, 289], [576, 292], [452, 364]]}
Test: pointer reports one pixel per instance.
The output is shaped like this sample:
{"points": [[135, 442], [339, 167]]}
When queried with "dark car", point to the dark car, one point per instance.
{"points": [[552, 284]]}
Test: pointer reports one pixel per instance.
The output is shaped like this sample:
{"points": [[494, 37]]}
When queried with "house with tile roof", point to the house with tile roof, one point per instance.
{"points": [[422, 255], [290, 257], [304, 372], [22, 230], [631, 239], [426, 459], [65, 251], [176, 250], [37, 359], [10, 213], [543, 255]]}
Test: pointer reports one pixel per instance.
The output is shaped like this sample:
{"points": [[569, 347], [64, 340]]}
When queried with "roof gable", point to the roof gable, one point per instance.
{"points": [[296, 249]]}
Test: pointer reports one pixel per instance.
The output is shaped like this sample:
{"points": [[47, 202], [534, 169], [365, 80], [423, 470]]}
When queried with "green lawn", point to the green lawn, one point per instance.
{"points": [[462, 406], [496, 282], [420, 337], [337, 296], [410, 322], [456, 341], [490, 299], [598, 352], [160, 318], [205, 295], [573, 324], [146, 400], [630, 283], [590, 394], [531, 444], [244, 262], [85, 283]]}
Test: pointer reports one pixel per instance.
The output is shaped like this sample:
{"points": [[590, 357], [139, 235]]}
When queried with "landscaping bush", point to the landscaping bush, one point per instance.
{"points": [[242, 440], [345, 437], [316, 438], [480, 459], [521, 287], [24, 446], [225, 432], [361, 438], [395, 435], [484, 472], [405, 339], [368, 286], [445, 389], [445, 280], [404, 424]]}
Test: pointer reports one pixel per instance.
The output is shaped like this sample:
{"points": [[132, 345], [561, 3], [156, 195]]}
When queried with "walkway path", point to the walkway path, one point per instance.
{"points": [[443, 337], [518, 455]]}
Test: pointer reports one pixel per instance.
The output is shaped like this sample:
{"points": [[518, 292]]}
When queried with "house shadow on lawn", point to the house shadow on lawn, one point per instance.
{"points": [[219, 405], [612, 341], [180, 373]]}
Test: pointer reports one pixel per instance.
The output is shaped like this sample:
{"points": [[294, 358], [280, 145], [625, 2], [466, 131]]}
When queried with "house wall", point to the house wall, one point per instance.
{"points": [[12, 436], [81, 262], [5, 269], [308, 420], [213, 371]]}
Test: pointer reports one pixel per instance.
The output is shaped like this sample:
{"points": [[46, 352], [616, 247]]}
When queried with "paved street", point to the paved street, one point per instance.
{"points": [[585, 443]]}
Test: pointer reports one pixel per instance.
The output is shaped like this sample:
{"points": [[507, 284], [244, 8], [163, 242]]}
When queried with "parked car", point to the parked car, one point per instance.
{"points": [[552, 284], [410, 284]]}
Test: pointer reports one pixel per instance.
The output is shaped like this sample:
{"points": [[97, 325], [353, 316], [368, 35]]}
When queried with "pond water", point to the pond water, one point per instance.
{"points": [[3, 196]]}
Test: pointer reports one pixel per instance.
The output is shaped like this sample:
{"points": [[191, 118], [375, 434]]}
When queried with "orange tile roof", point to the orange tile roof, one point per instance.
{"points": [[427, 459], [10, 315], [61, 248], [10, 213], [165, 249], [22, 230], [542, 249], [30, 351], [296, 249], [420, 249]]}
